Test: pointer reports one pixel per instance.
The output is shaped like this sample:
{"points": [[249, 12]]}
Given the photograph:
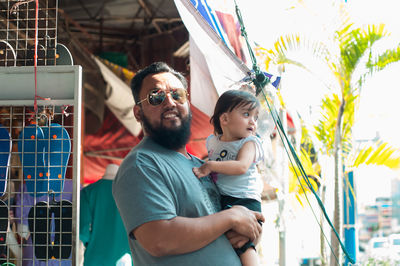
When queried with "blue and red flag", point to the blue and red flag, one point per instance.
{"points": [[218, 55]]}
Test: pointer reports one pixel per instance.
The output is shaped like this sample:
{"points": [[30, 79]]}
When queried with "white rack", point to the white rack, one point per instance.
{"points": [[61, 86]]}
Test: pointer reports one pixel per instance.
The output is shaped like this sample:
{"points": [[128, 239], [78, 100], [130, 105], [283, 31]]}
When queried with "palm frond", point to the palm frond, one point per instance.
{"points": [[383, 60], [325, 129], [357, 42], [301, 187], [294, 42], [380, 153]]}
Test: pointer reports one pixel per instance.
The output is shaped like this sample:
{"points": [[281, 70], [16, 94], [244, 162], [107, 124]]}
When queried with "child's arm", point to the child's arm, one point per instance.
{"points": [[239, 166]]}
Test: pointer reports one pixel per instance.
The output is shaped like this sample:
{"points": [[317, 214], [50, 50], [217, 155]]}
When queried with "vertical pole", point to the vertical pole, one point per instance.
{"points": [[76, 164], [285, 192], [349, 216]]}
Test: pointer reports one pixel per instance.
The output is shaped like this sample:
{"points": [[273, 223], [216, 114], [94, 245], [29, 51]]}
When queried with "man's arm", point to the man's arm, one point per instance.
{"points": [[182, 235], [239, 166]]}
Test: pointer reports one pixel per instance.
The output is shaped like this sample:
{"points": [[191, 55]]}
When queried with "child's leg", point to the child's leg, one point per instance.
{"points": [[247, 254], [249, 257]]}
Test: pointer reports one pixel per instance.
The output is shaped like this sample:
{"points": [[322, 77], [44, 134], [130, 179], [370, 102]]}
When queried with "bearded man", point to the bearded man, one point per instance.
{"points": [[171, 216]]}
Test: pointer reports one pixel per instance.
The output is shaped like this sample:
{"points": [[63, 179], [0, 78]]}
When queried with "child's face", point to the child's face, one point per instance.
{"points": [[240, 123]]}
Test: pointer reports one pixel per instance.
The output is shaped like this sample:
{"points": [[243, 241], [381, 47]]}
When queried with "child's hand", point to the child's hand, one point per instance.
{"points": [[237, 240], [201, 171]]}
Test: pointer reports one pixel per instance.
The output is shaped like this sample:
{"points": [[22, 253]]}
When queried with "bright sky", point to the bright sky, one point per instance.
{"points": [[379, 110], [380, 107]]}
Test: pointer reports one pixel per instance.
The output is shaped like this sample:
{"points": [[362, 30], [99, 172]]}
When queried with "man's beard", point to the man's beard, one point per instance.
{"points": [[173, 139]]}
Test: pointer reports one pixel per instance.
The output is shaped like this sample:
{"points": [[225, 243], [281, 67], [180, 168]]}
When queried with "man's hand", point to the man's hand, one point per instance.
{"points": [[201, 171], [246, 222]]}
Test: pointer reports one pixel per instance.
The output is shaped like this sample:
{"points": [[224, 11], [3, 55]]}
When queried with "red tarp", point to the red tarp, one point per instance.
{"points": [[113, 141]]}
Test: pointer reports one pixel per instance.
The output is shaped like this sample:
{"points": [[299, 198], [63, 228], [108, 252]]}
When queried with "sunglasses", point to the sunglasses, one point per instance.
{"points": [[157, 96]]}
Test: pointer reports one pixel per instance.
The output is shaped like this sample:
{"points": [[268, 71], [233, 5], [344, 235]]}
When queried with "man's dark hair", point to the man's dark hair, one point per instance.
{"points": [[154, 68], [230, 100]]}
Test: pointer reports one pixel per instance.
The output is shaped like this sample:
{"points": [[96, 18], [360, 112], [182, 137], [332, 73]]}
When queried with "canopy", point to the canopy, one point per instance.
{"points": [[120, 131]]}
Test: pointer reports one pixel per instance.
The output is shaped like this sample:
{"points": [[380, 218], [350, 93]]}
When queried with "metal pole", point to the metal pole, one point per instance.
{"points": [[349, 216]]}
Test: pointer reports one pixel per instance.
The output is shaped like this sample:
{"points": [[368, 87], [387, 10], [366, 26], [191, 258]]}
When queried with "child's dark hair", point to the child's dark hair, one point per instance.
{"points": [[230, 100]]}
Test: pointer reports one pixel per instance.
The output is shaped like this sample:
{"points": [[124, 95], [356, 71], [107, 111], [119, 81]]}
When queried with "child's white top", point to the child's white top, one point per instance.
{"points": [[248, 185]]}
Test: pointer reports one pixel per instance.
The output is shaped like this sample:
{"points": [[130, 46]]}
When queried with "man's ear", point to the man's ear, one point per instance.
{"points": [[137, 112]]}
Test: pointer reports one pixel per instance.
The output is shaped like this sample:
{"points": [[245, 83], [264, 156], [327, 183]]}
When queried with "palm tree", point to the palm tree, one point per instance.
{"points": [[348, 54]]}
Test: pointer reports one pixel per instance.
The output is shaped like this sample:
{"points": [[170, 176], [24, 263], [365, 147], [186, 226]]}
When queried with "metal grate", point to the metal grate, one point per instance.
{"points": [[17, 32], [39, 140], [38, 208], [40, 217]]}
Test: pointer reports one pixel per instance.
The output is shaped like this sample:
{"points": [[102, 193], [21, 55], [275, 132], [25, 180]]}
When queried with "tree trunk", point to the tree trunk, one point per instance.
{"points": [[336, 255]]}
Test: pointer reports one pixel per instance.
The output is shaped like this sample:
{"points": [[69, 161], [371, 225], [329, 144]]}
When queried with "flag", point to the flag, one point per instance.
{"points": [[218, 54]]}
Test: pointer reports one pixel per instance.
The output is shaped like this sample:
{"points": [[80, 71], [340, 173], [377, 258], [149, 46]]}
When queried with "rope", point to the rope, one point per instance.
{"points": [[260, 80], [14, 9], [36, 56], [283, 136]]}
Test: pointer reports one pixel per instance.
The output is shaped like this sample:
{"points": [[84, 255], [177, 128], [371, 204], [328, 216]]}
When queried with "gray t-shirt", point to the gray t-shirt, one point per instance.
{"points": [[248, 185], [154, 183]]}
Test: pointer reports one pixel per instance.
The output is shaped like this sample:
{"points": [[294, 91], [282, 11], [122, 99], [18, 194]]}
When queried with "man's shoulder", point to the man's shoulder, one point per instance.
{"points": [[145, 148], [146, 155], [148, 147]]}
